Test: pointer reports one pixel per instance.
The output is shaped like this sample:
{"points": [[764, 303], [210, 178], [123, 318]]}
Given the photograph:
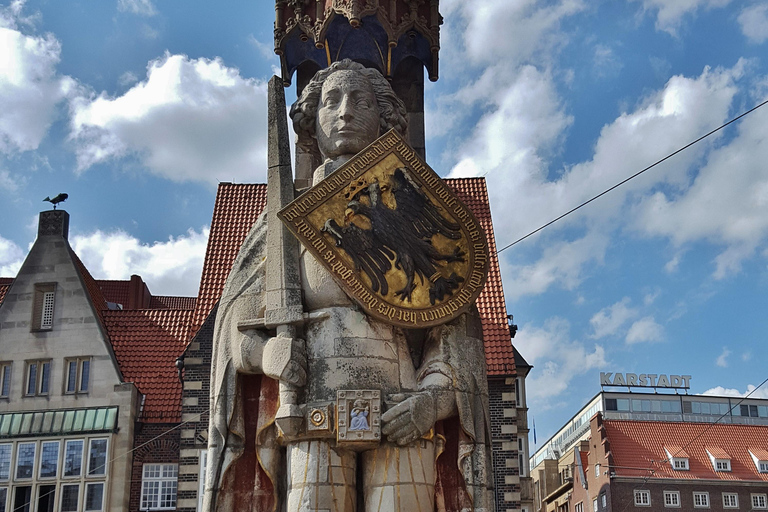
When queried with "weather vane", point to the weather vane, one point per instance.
{"points": [[58, 199]]}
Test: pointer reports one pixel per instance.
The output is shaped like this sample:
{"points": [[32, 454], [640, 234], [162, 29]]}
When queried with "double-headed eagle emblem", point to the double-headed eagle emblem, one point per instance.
{"points": [[399, 236]]}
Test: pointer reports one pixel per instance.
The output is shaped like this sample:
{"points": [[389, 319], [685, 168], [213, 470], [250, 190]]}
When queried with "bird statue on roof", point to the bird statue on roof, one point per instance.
{"points": [[58, 199]]}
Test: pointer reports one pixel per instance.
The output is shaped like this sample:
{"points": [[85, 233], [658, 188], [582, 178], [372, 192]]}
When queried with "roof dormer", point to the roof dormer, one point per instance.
{"points": [[721, 461], [677, 457], [760, 458]]}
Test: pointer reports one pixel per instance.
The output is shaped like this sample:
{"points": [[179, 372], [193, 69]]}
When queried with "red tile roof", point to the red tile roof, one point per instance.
{"points": [[676, 451], [170, 302], [146, 343], [640, 444], [238, 206], [115, 291], [5, 285]]}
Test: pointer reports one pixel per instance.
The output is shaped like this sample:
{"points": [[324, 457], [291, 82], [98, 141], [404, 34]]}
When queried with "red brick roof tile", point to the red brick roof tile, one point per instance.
{"points": [[676, 451], [640, 444], [170, 302], [146, 343], [238, 206], [115, 291], [5, 285]]}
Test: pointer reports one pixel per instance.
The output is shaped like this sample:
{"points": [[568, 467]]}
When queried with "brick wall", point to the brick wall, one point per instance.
{"points": [[194, 414], [623, 497], [154, 443], [506, 469]]}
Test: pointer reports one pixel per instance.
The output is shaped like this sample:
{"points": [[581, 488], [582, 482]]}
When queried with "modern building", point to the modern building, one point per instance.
{"points": [[87, 384], [576, 460]]}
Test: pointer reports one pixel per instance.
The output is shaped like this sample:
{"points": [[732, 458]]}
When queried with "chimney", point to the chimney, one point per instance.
{"points": [[138, 294], [53, 222]]}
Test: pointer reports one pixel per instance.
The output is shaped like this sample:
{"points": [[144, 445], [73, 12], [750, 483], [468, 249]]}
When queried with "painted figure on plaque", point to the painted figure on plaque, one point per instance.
{"points": [[394, 418]]}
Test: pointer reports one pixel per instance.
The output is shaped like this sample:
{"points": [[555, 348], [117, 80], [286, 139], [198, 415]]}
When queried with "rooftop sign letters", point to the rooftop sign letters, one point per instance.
{"points": [[645, 380]]}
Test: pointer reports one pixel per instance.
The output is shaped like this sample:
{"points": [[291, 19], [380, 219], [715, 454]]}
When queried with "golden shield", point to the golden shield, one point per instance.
{"points": [[394, 236]]}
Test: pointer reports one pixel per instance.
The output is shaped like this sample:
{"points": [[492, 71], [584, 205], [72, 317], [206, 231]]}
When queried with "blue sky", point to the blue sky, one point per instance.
{"points": [[137, 108]]}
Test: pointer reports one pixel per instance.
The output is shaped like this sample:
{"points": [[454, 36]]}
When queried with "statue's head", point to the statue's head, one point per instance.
{"points": [[345, 107]]}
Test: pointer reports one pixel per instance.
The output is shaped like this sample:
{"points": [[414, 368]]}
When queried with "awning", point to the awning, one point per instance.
{"points": [[59, 422]]}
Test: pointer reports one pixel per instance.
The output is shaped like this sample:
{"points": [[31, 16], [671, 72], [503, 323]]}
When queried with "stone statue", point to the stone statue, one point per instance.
{"points": [[424, 390]]}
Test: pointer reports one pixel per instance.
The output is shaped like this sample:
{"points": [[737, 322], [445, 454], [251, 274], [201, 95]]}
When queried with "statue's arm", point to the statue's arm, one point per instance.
{"points": [[279, 357]]}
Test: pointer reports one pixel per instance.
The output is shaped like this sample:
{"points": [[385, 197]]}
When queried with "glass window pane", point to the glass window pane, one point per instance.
{"points": [[696, 407], [25, 460], [150, 493], [46, 498], [73, 457], [3, 498], [5, 461], [85, 375], [94, 494], [45, 378], [49, 459], [32, 379], [622, 404], [22, 498], [97, 458], [5, 387], [69, 497], [637, 405], [71, 376]]}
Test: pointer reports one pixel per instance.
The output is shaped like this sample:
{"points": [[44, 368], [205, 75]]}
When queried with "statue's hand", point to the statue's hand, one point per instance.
{"points": [[410, 419], [285, 359]]}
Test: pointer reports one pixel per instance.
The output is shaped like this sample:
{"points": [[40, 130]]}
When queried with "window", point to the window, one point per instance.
{"points": [[43, 306], [5, 380], [3, 498], [22, 498], [201, 478], [680, 464], [759, 501], [597, 470], [642, 498], [97, 459], [730, 500], [94, 497], [25, 460], [603, 500], [762, 466], [70, 494], [158, 486], [701, 499], [671, 499], [594, 505], [78, 374], [46, 498], [5, 461], [38, 378], [73, 457], [579, 507], [722, 464], [749, 410], [49, 459]]}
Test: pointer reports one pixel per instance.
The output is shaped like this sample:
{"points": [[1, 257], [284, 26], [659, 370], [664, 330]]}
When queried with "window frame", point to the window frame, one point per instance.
{"points": [[89, 485], [88, 472], [702, 494], [43, 369], [642, 492], [6, 379], [4, 500], [762, 466], [735, 497], [759, 496], [83, 365], [16, 465], [61, 496], [683, 461], [67, 442], [40, 461], [603, 500], [10, 461], [594, 505], [671, 499], [161, 488], [726, 463]]}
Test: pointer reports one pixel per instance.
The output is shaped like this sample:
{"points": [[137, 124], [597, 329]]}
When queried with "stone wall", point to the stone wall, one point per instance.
{"points": [[156, 443], [504, 441]]}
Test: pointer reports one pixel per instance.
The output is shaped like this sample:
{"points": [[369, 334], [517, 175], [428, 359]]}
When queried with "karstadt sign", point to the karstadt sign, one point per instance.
{"points": [[645, 380]]}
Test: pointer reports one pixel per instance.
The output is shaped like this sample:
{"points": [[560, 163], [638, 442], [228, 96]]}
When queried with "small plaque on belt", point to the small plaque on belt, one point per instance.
{"points": [[358, 418]]}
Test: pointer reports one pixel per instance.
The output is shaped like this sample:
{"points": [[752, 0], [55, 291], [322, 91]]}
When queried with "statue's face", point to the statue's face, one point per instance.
{"points": [[347, 115]]}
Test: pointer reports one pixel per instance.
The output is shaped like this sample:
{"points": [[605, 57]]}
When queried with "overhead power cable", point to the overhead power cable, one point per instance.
{"points": [[638, 173]]}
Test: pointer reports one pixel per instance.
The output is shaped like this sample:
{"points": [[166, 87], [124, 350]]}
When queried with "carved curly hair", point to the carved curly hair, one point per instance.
{"points": [[391, 108]]}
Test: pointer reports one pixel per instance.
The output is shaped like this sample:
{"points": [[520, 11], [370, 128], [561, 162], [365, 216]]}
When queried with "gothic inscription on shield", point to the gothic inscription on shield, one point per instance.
{"points": [[394, 236]]}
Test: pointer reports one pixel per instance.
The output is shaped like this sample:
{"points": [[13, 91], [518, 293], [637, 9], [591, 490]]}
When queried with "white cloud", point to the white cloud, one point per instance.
{"points": [[670, 13], [722, 359], [265, 49], [127, 79], [172, 267], [11, 258], [722, 391], [191, 119], [645, 330], [140, 7], [608, 321], [754, 22], [30, 87], [9, 182], [558, 358]]}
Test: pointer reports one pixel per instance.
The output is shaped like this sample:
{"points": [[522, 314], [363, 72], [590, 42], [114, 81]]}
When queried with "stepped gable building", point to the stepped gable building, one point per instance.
{"points": [[237, 208], [88, 384]]}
